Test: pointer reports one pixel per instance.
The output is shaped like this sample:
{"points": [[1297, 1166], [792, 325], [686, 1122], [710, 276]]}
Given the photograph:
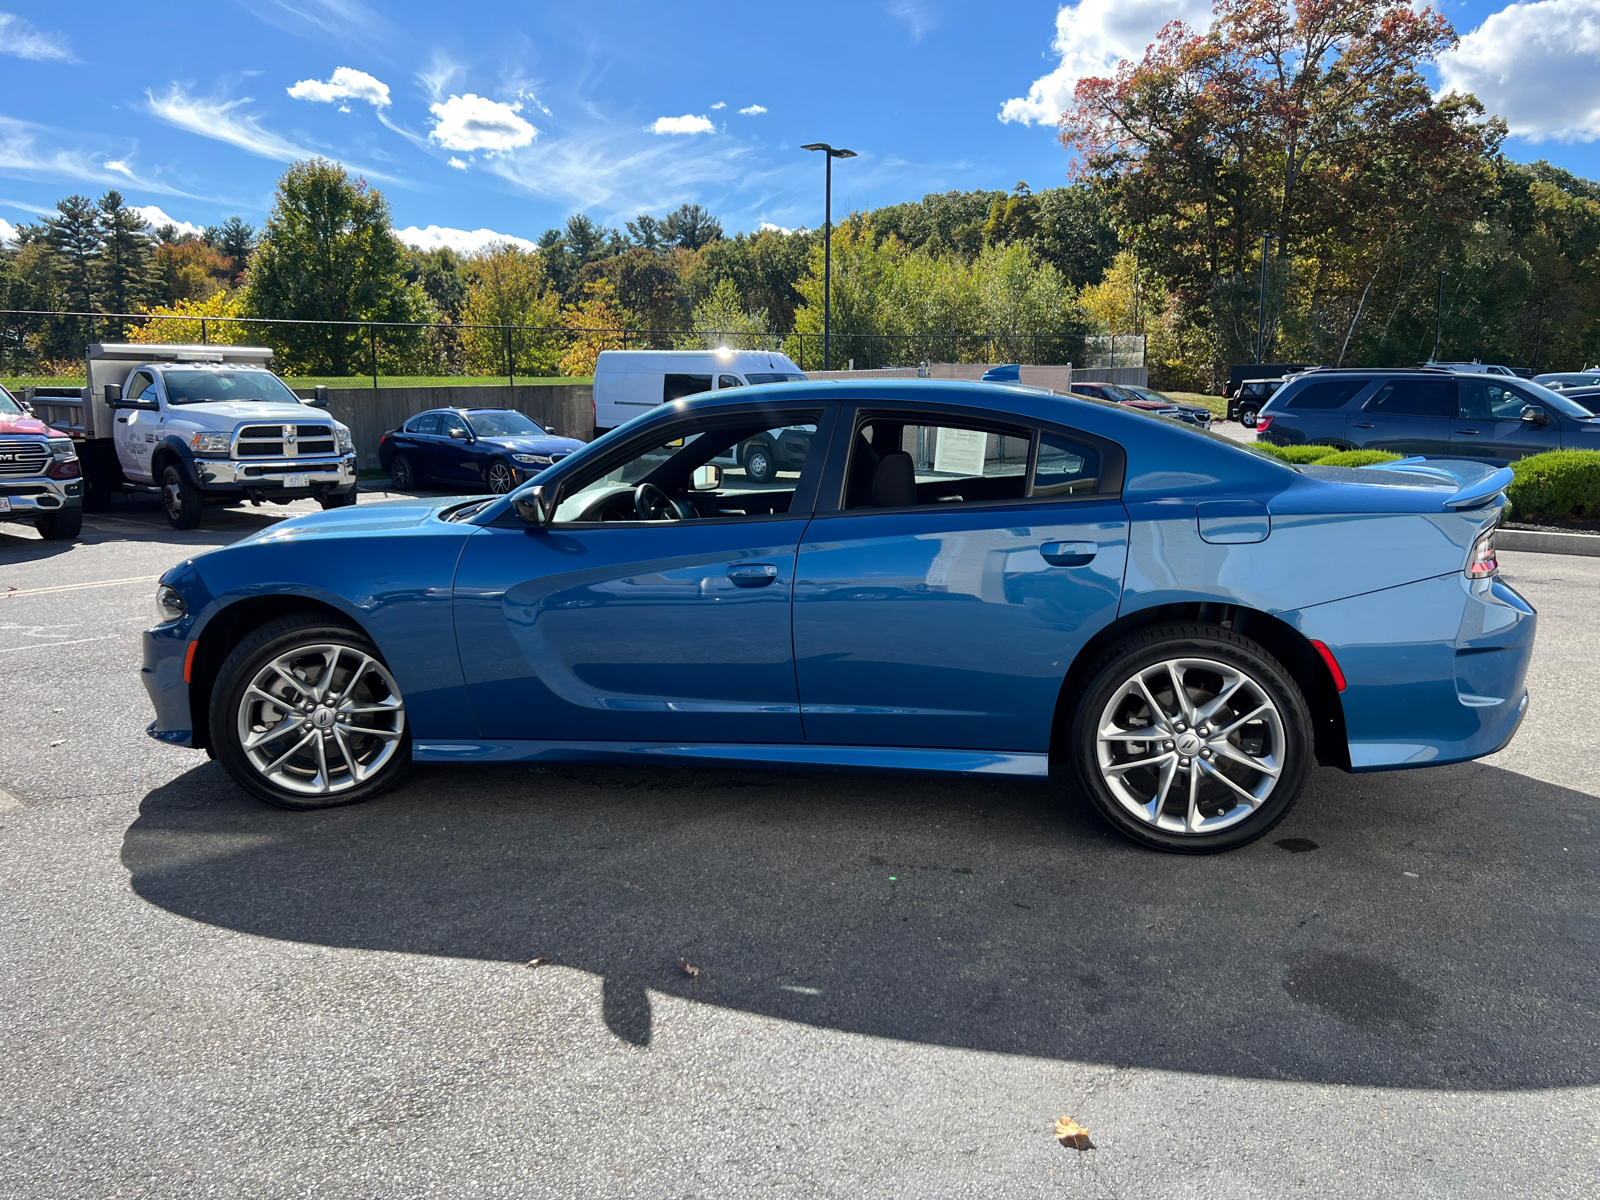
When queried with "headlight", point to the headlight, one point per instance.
{"points": [[543, 460], [346, 442], [169, 604], [211, 441], [61, 448]]}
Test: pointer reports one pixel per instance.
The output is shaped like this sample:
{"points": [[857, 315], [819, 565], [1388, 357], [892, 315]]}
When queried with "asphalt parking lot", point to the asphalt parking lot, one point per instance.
{"points": [[902, 982]]}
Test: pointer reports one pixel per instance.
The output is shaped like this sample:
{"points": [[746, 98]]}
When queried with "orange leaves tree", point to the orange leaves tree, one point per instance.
{"points": [[1311, 122]]}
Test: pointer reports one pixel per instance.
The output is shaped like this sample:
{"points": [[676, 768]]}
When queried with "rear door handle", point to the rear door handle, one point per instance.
{"points": [[752, 574], [1068, 554], [1363, 425]]}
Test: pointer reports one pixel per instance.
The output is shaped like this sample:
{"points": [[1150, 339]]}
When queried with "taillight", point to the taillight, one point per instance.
{"points": [[1262, 421], [1481, 563]]}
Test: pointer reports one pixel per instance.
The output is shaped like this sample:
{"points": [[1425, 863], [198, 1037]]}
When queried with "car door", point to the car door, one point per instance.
{"points": [[963, 565], [456, 451], [604, 627], [1490, 426], [137, 431], [1408, 415], [418, 442]]}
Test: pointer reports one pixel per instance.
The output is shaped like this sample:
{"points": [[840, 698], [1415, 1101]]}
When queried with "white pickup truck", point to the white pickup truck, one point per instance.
{"points": [[194, 424]]}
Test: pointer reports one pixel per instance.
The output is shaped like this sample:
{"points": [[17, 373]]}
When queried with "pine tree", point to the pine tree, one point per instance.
{"points": [[74, 236], [123, 266]]}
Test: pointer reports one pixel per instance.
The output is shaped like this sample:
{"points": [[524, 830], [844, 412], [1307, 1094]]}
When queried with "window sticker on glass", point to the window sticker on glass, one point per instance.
{"points": [[959, 451]]}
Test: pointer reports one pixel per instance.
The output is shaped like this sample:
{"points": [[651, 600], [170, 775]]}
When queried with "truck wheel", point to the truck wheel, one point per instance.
{"points": [[63, 525], [305, 714], [758, 462], [1191, 738], [185, 503], [1247, 417], [337, 499], [400, 472]]}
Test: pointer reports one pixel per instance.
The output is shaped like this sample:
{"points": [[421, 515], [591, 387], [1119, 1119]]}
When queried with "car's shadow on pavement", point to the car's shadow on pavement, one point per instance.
{"points": [[1442, 933]]}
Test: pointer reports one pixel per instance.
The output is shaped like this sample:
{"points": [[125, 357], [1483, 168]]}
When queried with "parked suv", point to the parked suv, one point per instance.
{"points": [[1245, 405], [1427, 410], [41, 480]]}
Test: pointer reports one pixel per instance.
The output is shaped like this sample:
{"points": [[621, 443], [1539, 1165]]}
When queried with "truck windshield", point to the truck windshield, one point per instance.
{"points": [[8, 405], [199, 387]]}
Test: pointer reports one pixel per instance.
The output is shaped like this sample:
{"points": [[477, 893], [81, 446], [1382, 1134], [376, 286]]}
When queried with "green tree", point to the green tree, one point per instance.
{"points": [[721, 319], [328, 253], [691, 227], [509, 288], [73, 234], [235, 240], [123, 266]]}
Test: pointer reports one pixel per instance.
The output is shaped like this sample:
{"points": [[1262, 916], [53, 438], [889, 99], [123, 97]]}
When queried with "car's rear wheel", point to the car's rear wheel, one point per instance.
{"points": [[1247, 417], [305, 714], [1191, 738], [401, 473], [500, 477]]}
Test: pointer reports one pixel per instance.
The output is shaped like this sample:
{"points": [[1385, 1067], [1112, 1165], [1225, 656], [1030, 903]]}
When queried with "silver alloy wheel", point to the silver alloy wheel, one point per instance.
{"points": [[1190, 745], [400, 471], [501, 478], [321, 719]]}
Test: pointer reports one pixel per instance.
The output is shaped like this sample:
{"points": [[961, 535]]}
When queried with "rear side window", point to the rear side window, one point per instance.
{"points": [[1332, 393], [676, 387], [424, 424], [1065, 467], [1415, 398]]}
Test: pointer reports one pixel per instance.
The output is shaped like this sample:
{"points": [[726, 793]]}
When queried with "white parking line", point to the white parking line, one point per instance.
{"points": [[50, 645]]}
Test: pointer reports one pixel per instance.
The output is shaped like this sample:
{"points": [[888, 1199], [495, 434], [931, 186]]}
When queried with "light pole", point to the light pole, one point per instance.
{"points": [[827, 245], [1261, 316], [1438, 318]]}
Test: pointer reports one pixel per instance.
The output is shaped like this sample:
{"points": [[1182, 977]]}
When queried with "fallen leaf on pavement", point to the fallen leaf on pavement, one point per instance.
{"points": [[1072, 1135], [538, 962], [688, 968], [54, 744]]}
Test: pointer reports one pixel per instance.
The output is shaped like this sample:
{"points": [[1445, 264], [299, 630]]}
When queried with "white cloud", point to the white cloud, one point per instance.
{"points": [[755, 110], [20, 39], [457, 163], [8, 232], [117, 165], [684, 124], [463, 241], [346, 83], [918, 16], [222, 121], [474, 122], [1091, 37], [766, 225], [22, 154], [719, 104], [1534, 65], [157, 219]]}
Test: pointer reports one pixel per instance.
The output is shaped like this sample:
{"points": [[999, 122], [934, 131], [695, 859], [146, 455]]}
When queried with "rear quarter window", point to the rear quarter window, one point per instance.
{"points": [[1330, 393]]}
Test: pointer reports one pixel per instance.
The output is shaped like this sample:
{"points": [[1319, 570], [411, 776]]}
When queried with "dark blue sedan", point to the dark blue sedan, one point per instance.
{"points": [[486, 449], [960, 578]]}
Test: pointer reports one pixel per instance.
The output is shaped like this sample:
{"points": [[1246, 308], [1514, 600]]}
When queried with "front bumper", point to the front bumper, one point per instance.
{"points": [[38, 497], [242, 475], [1436, 670], [165, 652]]}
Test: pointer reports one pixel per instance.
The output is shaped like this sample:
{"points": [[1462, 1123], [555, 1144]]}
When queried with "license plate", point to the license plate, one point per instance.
{"points": [[5, 503], [296, 481]]}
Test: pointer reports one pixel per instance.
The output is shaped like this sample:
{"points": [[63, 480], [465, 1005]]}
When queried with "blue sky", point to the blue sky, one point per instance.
{"points": [[505, 118]]}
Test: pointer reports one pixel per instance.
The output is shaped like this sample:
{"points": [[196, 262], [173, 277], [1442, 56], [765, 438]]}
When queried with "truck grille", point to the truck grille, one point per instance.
{"points": [[285, 441], [23, 456]]}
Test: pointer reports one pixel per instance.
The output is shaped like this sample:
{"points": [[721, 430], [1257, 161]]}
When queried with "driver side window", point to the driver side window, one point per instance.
{"points": [[141, 387], [719, 466]]}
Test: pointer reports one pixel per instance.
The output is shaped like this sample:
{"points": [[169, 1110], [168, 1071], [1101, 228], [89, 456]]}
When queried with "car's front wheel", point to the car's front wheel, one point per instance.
{"points": [[63, 525], [337, 499], [500, 477], [758, 462], [305, 714], [1191, 738]]}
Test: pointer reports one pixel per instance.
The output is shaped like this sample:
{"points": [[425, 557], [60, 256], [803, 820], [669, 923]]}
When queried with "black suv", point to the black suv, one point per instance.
{"points": [[1491, 418]]}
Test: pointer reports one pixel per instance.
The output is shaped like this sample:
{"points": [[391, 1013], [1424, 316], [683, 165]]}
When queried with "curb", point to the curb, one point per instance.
{"points": [[1547, 543]]}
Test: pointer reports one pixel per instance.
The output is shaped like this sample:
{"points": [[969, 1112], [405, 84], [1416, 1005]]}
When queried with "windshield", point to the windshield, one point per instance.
{"points": [[8, 405], [505, 424], [199, 387], [1583, 379], [774, 376], [1556, 400]]}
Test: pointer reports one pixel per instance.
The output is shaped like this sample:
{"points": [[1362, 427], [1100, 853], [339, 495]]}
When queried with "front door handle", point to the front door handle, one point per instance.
{"points": [[122, 420], [1466, 431], [1068, 554], [752, 574], [1363, 425]]}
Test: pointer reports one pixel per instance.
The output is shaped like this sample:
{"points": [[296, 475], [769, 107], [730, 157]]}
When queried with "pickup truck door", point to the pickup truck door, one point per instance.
{"points": [[137, 431]]}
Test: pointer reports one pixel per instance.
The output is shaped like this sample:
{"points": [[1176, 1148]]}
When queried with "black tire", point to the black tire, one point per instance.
{"points": [[63, 525], [1247, 417], [273, 641], [337, 499], [184, 501], [500, 476], [1287, 727], [401, 473], [759, 464]]}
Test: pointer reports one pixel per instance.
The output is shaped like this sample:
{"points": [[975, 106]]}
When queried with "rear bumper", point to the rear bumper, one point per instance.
{"points": [[1435, 669]]}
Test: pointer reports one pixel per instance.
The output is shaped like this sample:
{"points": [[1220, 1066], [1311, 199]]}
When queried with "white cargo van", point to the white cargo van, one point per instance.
{"points": [[627, 382]]}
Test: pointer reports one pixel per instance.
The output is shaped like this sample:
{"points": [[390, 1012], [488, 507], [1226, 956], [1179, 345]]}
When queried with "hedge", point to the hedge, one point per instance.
{"points": [[1358, 458], [1557, 485], [1324, 456]]}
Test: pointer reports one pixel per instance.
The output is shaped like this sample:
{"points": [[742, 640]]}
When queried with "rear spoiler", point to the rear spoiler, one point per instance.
{"points": [[1476, 483]]}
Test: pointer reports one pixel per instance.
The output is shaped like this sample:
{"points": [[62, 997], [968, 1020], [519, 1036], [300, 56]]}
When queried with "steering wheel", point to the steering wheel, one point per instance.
{"points": [[650, 503]]}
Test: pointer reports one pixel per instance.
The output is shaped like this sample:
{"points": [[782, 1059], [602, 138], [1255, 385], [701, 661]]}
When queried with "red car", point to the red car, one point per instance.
{"points": [[1149, 401]]}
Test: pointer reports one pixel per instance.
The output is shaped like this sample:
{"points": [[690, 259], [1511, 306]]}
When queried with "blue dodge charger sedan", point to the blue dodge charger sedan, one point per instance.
{"points": [[955, 577]]}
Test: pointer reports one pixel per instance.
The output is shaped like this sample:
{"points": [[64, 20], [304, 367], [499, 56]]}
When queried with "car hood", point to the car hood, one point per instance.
{"points": [[530, 444], [15, 424], [250, 410], [362, 520]]}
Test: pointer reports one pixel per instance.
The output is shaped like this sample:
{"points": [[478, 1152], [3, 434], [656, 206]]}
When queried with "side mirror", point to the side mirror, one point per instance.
{"points": [[113, 393], [319, 396], [460, 435], [707, 478], [1534, 415], [536, 505]]}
